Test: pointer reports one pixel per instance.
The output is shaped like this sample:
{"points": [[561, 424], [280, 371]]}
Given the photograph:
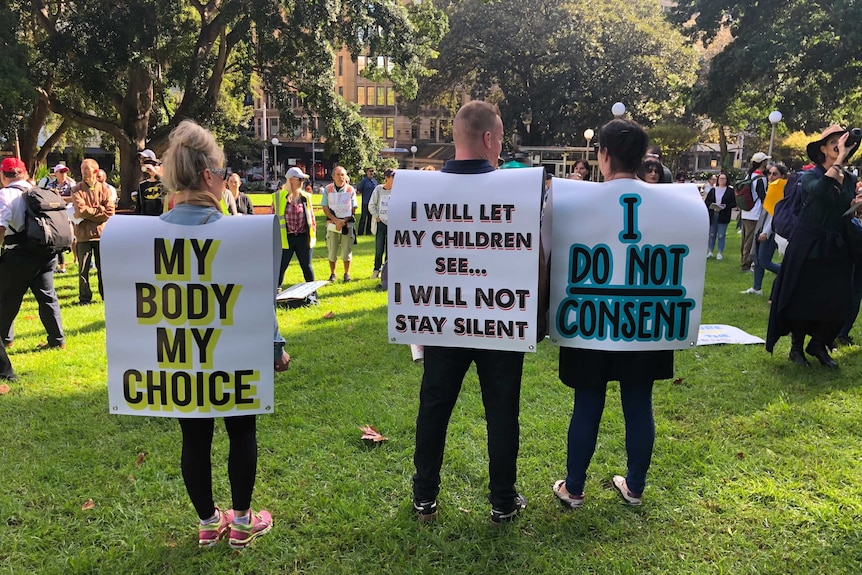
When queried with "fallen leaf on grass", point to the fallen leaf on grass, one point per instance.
{"points": [[88, 505], [4, 389], [131, 477], [678, 381], [740, 455], [140, 460], [462, 510], [329, 315], [30, 317], [371, 434], [350, 328]]}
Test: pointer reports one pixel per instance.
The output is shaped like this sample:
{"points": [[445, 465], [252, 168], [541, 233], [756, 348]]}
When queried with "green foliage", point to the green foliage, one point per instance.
{"points": [[567, 66], [674, 139], [796, 56], [756, 465]]}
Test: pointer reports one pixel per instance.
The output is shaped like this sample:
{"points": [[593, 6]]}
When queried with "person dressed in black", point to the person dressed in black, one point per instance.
{"points": [[365, 188], [813, 291], [622, 145], [151, 192], [478, 135]]}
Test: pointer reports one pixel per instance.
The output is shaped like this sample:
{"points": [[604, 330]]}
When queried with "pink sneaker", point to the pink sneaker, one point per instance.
{"points": [[209, 535], [242, 535]]}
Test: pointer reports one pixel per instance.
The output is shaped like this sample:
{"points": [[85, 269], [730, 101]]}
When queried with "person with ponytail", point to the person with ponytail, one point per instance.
{"points": [[193, 170]]}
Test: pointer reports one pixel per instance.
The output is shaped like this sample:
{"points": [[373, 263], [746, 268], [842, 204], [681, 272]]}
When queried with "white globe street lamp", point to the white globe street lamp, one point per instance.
{"points": [[275, 143], [774, 117], [588, 136], [618, 109], [413, 150]]}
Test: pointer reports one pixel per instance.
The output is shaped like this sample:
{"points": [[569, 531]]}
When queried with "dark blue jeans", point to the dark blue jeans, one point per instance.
{"points": [[297, 244], [379, 246], [763, 261], [20, 271], [500, 382], [584, 431], [6, 371]]}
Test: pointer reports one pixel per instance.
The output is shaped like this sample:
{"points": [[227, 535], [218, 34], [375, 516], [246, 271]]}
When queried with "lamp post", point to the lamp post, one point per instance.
{"points": [[413, 150], [618, 109], [774, 117], [588, 136], [275, 143]]}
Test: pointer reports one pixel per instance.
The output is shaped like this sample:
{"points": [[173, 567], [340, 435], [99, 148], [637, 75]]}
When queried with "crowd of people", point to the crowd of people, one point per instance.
{"points": [[815, 294]]}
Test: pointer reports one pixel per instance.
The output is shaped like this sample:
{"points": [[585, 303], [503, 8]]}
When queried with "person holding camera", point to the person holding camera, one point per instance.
{"points": [[339, 204], [812, 293]]}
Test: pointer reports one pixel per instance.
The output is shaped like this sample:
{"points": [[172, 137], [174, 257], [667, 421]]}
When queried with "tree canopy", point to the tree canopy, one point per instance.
{"points": [[557, 67], [135, 69], [799, 57]]}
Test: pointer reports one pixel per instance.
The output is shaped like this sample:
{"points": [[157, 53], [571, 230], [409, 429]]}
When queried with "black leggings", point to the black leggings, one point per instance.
{"points": [[241, 463]]}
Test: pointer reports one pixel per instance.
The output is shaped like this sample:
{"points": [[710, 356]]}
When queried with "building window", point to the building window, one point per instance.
{"points": [[361, 63], [341, 91], [360, 93], [390, 128], [381, 96], [257, 127], [414, 129], [273, 126], [381, 62], [341, 65], [377, 127], [390, 97]]}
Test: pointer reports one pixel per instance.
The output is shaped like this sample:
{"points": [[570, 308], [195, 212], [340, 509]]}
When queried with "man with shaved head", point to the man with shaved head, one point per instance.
{"points": [[478, 135]]}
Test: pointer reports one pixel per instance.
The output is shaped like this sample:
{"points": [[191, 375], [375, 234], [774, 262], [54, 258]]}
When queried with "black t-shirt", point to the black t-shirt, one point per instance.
{"points": [[151, 198]]}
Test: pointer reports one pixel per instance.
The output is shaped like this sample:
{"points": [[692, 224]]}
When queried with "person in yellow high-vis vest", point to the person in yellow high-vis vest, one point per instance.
{"points": [[297, 224]]}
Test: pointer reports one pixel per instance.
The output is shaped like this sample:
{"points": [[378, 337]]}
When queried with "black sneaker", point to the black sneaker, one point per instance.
{"points": [[499, 516], [426, 511], [844, 340]]}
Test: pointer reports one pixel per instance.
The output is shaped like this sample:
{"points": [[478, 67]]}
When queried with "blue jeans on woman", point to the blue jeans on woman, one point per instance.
{"points": [[717, 231], [763, 261], [584, 431]]}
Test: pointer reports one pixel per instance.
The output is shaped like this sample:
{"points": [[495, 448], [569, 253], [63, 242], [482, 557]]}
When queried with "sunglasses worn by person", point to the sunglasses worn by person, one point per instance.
{"points": [[652, 169]]}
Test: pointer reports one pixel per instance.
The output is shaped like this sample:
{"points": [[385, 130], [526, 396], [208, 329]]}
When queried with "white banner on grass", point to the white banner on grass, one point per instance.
{"points": [[189, 316], [714, 334], [464, 258], [627, 266]]}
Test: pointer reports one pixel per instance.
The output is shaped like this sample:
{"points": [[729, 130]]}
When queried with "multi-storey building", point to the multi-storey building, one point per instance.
{"points": [[430, 132]]}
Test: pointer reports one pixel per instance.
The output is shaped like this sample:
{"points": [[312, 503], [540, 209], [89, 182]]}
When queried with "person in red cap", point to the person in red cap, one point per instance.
{"points": [[21, 269], [813, 291]]}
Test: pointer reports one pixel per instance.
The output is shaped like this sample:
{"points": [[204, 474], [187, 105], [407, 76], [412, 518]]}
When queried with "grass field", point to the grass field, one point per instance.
{"points": [[756, 469]]}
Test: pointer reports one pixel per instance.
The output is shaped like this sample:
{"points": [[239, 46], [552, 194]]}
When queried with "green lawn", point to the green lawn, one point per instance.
{"points": [[756, 466]]}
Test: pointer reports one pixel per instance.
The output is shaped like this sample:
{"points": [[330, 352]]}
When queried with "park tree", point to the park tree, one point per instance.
{"points": [[674, 139], [555, 68], [795, 56], [135, 69]]}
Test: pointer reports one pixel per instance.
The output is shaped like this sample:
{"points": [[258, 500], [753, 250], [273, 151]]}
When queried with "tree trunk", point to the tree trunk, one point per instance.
{"points": [[134, 111], [722, 146]]}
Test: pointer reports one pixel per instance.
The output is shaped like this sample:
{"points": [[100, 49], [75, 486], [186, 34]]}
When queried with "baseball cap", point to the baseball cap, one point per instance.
{"points": [[759, 157], [60, 168], [13, 165], [148, 154], [297, 173]]}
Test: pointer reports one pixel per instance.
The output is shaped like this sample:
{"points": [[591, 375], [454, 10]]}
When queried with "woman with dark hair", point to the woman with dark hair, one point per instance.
{"points": [[812, 293], [720, 202], [621, 148], [651, 171], [193, 170], [582, 171]]}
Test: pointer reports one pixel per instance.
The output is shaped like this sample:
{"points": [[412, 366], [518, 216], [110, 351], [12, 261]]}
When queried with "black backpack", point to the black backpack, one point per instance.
{"points": [[47, 228], [788, 210]]}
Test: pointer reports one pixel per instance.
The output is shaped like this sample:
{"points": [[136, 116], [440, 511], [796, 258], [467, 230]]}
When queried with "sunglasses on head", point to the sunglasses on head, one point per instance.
{"points": [[220, 172]]}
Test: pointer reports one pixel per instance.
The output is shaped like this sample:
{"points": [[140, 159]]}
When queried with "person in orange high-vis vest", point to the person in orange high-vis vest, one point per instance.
{"points": [[297, 224]]}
